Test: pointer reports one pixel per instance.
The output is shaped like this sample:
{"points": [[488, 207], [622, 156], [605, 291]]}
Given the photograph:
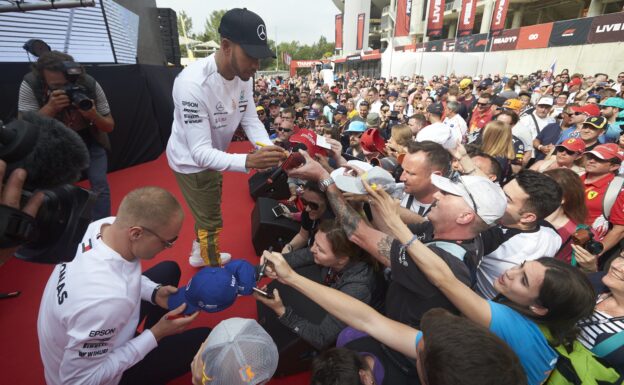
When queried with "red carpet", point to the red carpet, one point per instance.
{"points": [[21, 363]]}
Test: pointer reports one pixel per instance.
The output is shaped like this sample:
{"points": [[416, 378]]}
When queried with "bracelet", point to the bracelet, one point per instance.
{"points": [[290, 247], [154, 293], [408, 244]]}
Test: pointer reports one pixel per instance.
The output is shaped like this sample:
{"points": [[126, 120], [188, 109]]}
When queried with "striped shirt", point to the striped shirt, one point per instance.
{"points": [[28, 102], [598, 328]]}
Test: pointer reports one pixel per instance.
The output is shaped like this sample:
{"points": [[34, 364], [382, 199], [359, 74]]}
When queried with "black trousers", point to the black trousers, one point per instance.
{"points": [[173, 356]]}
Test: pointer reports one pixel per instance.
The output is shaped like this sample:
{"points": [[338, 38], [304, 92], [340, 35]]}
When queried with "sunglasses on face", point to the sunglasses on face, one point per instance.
{"points": [[483, 104], [382, 94], [261, 113], [563, 149], [283, 129], [420, 108], [577, 113], [597, 159], [311, 205]]}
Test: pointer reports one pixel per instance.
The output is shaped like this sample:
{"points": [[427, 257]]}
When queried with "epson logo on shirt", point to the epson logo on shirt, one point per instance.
{"points": [[103, 332]]}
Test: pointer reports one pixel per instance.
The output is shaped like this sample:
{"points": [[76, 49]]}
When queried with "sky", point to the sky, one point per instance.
{"points": [[286, 20]]}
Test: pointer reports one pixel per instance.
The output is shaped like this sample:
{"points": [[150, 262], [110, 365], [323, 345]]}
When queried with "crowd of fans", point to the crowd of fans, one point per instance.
{"points": [[498, 198]]}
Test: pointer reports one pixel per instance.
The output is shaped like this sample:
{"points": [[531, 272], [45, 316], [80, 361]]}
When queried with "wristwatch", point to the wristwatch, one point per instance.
{"points": [[325, 183]]}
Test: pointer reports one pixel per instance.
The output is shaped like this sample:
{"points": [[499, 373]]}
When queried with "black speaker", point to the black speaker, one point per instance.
{"points": [[168, 22], [259, 187], [295, 354], [267, 230]]}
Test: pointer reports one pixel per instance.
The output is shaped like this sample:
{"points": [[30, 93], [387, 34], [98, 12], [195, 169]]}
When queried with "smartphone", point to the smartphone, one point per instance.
{"points": [[263, 293], [280, 210]]}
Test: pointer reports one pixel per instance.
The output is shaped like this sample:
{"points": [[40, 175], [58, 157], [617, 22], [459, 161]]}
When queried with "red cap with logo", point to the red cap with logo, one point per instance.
{"points": [[308, 139], [575, 82], [573, 144], [607, 151], [588, 109], [372, 141]]}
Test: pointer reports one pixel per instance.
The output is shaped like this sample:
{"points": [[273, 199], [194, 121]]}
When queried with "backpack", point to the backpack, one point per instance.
{"points": [[613, 190], [579, 366]]}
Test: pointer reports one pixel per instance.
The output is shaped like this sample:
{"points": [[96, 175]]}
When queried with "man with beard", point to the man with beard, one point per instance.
{"points": [[212, 97]]}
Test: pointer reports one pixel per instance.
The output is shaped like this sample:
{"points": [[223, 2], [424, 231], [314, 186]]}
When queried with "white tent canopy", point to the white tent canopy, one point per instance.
{"points": [[187, 40], [208, 44]]}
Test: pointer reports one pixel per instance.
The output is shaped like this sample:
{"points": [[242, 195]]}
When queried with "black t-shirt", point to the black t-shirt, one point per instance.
{"points": [[410, 293]]}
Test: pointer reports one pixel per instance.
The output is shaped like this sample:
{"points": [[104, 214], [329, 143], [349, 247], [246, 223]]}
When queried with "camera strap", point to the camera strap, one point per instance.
{"points": [[613, 190]]}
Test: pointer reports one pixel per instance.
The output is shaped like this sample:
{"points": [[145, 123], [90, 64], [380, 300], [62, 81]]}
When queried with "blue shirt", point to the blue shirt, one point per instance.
{"points": [[549, 135], [526, 340]]}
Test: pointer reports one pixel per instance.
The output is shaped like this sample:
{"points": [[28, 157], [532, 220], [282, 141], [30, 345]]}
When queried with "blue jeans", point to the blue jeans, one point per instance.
{"points": [[97, 178]]}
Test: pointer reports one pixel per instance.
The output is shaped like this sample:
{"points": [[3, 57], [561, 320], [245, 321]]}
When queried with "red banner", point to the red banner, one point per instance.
{"points": [[467, 17], [360, 31], [403, 17], [435, 21], [534, 36], [499, 15], [338, 31]]}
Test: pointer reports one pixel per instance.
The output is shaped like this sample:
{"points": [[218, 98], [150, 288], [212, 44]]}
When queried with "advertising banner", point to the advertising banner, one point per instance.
{"points": [[534, 36], [499, 15], [506, 41], [447, 45], [360, 31], [472, 43], [607, 28], [403, 17], [338, 31], [435, 20], [570, 32], [467, 17]]}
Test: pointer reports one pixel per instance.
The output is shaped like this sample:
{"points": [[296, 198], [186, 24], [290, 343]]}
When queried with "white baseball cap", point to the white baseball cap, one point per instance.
{"points": [[482, 195], [376, 177]]}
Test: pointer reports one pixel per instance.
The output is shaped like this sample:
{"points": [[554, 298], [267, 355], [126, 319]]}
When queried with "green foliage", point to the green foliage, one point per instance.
{"points": [[319, 50], [211, 26]]}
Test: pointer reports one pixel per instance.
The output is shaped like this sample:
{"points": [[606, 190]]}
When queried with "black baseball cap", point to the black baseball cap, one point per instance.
{"points": [[436, 109], [248, 30]]}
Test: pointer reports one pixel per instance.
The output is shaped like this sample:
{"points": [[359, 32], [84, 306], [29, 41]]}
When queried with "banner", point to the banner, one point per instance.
{"points": [[472, 43], [360, 31], [435, 20], [534, 36], [607, 28], [447, 45], [286, 58], [499, 15], [403, 17], [506, 41], [338, 35], [570, 32], [467, 17]]}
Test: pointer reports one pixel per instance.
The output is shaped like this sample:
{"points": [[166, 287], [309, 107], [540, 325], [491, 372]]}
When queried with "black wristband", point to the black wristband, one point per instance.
{"points": [[153, 300]]}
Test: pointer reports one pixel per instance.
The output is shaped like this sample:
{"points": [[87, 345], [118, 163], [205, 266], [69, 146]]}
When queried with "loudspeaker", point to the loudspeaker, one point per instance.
{"points": [[259, 187], [168, 22], [267, 230], [295, 354]]}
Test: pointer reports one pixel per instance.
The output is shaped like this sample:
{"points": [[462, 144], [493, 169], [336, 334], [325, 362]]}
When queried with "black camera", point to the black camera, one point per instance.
{"points": [[394, 115], [585, 238], [75, 92], [53, 156]]}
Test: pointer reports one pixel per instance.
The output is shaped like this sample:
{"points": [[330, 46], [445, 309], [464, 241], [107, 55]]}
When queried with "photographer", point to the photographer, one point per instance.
{"points": [[58, 87]]}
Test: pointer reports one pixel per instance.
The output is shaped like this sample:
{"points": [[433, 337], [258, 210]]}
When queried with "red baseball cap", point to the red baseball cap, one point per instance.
{"points": [[573, 144], [606, 151], [308, 139], [372, 141], [588, 109], [575, 82]]}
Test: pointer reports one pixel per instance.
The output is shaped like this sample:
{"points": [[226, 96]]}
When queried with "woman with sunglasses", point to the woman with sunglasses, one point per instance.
{"points": [[344, 267], [315, 208], [602, 333], [566, 155], [540, 294]]}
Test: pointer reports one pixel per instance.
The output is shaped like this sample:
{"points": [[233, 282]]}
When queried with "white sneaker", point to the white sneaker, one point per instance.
{"points": [[196, 260]]}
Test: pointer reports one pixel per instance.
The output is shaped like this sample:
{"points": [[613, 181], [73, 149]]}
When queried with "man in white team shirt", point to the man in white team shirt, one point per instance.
{"points": [[212, 97], [91, 307]]}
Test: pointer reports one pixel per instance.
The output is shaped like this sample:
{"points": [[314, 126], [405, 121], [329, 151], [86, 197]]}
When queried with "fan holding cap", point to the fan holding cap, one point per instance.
{"points": [[565, 156], [212, 98]]}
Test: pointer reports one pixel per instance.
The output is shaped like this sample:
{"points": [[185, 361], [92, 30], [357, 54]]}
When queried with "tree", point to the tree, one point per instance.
{"points": [[211, 26]]}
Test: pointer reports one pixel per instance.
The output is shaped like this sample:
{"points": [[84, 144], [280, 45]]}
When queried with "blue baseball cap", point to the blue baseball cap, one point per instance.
{"points": [[211, 289], [245, 274], [313, 114], [356, 126]]}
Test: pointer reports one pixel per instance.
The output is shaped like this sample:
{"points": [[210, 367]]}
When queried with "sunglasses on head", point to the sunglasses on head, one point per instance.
{"points": [[456, 178], [311, 205]]}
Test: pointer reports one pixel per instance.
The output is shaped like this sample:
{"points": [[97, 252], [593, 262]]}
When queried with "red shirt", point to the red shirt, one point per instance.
{"points": [[594, 195], [479, 119]]}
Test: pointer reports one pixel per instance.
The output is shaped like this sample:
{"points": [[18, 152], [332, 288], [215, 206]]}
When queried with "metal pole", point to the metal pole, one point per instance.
{"points": [[23, 7], [276, 53], [488, 40]]}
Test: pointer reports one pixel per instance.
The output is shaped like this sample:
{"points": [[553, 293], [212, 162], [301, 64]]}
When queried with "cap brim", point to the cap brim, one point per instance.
{"points": [[258, 51], [446, 185], [178, 299], [347, 183]]}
